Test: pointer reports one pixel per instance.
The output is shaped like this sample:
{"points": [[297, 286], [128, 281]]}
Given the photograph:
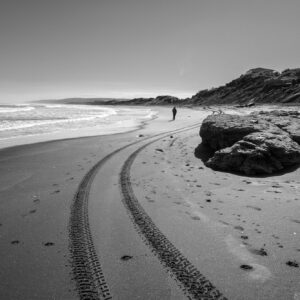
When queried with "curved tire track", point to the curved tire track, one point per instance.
{"points": [[193, 283], [86, 267]]}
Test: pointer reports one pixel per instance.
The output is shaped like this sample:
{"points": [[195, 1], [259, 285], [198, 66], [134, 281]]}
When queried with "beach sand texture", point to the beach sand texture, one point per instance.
{"points": [[137, 216]]}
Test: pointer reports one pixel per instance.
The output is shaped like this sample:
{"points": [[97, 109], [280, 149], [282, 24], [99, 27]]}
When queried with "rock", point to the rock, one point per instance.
{"points": [[288, 121], [261, 143], [223, 130]]}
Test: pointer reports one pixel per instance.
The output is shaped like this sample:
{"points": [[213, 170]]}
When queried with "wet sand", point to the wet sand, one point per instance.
{"points": [[240, 234]]}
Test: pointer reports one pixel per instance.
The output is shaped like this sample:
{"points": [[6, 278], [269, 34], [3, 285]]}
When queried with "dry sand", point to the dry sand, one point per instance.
{"points": [[143, 218]]}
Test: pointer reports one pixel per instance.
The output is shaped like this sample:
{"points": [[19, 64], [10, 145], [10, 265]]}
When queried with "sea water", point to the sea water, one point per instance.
{"points": [[27, 123]]}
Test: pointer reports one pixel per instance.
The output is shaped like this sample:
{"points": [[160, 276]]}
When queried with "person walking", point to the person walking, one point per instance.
{"points": [[174, 111]]}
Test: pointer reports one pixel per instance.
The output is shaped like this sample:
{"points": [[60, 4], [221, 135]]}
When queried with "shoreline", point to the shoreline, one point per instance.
{"points": [[48, 137], [43, 138]]}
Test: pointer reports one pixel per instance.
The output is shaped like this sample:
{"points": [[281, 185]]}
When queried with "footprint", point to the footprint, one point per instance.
{"points": [[195, 218], [223, 222], [55, 192], [295, 221], [240, 228], [261, 251], [246, 267], [48, 244], [294, 264], [159, 150], [246, 181], [15, 242], [254, 207], [126, 257]]}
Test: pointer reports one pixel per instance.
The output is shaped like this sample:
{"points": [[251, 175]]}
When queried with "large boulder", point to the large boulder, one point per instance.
{"points": [[223, 130], [257, 153], [260, 143]]}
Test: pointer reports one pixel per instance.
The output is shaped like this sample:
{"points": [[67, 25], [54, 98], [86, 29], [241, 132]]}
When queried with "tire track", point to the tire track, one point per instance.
{"points": [[193, 283], [86, 267]]}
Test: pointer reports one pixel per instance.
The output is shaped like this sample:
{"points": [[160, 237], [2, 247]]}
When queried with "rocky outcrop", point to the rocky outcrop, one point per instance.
{"points": [[260, 143], [257, 153], [256, 86], [223, 130]]}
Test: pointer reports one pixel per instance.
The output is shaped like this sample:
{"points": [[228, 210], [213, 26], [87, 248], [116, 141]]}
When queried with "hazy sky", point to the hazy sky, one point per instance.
{"points": [[128, 48]]}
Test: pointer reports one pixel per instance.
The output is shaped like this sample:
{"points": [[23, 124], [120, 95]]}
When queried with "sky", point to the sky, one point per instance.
{"points": [[139, 48]]}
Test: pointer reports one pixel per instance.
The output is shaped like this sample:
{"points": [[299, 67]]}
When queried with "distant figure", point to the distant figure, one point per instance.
{"points": [[174, 111]]}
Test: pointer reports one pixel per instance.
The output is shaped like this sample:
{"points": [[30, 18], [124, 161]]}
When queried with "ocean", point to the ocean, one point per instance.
{"points": [[27, 123]]}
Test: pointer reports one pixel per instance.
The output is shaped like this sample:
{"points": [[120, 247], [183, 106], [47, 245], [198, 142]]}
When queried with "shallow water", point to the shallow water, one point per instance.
{"points": [[19, 123]]}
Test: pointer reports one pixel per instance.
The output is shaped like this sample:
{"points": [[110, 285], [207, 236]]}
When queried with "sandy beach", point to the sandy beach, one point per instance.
{"points": [[137, 215]]}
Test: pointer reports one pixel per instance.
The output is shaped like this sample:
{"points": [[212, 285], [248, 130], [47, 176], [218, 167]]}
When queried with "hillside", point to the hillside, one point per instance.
{"points": [[257, 86]]}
